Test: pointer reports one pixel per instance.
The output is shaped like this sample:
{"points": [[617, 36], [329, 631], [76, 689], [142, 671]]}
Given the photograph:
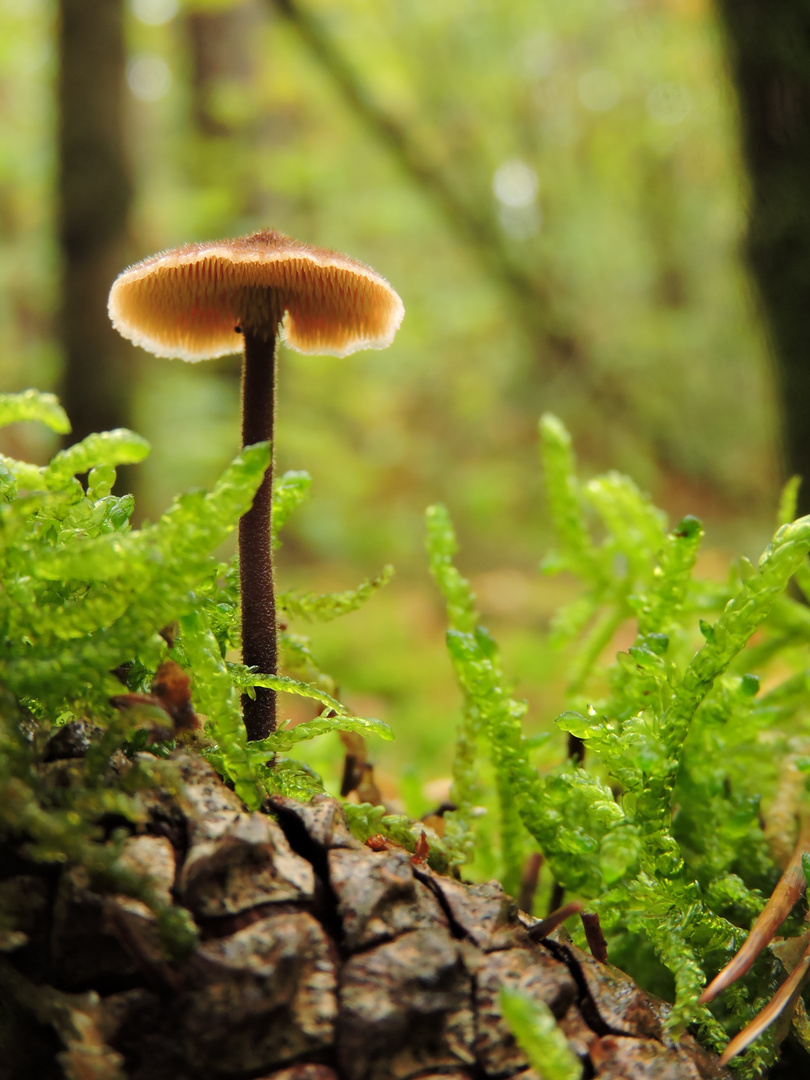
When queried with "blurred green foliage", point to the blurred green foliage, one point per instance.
{"points": [[596, 139]]}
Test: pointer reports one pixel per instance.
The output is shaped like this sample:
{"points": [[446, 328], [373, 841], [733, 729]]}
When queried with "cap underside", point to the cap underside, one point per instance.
{"points": [[188, 303]]}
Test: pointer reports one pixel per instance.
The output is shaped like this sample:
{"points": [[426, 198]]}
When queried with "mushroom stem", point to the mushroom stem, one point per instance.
{"points": [[255, 535]]}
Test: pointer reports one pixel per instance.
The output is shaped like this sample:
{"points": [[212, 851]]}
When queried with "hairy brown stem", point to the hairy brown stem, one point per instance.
{"points": [[255, 544]]}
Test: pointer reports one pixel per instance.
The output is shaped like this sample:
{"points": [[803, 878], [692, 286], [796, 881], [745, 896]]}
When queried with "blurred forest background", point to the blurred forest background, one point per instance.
{"points": [[559, 193]]}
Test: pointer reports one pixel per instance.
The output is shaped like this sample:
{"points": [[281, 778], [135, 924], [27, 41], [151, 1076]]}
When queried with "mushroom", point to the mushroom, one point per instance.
{"points": [[206, 300]]}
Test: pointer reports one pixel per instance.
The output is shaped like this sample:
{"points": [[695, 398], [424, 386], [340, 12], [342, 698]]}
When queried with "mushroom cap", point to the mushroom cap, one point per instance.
{"points": [[188, 302]]}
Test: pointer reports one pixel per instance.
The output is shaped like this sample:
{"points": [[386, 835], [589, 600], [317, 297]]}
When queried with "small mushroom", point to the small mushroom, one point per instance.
{"points": [[206, 300]]}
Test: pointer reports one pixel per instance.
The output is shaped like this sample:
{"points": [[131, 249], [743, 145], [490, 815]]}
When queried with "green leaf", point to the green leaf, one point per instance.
{"points": [[217, 697], [286, 738], [463, 616], [535, 1029], [323, 607], [25, 476], [246, 678], [118, 447], [76, 606], [293, 780], [288, 493], [788, 500], [566, 505], [441, 547], [34, 405]]}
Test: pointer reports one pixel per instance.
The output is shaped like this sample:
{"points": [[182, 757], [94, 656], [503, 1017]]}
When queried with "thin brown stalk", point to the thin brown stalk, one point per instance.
{"points": [[594, 936], [255, 549], [543, 928], [529, 881]]}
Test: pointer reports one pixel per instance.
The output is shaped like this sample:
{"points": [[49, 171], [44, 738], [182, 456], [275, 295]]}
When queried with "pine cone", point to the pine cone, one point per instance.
{"points": [[318, 959]]}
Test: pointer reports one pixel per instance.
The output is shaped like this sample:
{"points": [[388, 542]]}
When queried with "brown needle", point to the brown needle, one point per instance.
{"points": [[784, 997], [789, 888]]}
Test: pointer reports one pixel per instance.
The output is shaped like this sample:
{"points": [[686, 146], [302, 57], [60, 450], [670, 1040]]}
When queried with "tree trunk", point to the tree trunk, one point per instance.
{"points": [[317, 958], [220, 47], [769, 50], [94, 194]]}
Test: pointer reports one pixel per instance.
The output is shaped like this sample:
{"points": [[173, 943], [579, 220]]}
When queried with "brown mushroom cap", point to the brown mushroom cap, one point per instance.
{"points": [[187, 303]]}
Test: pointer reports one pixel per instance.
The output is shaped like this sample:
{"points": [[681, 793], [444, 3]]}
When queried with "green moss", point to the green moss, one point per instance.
{"points": [[684, 729], [86, 600], [660, 830]]}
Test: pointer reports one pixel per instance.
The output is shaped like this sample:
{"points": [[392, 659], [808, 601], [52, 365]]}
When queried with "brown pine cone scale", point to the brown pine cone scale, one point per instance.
{"points": [[317, 959]]}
